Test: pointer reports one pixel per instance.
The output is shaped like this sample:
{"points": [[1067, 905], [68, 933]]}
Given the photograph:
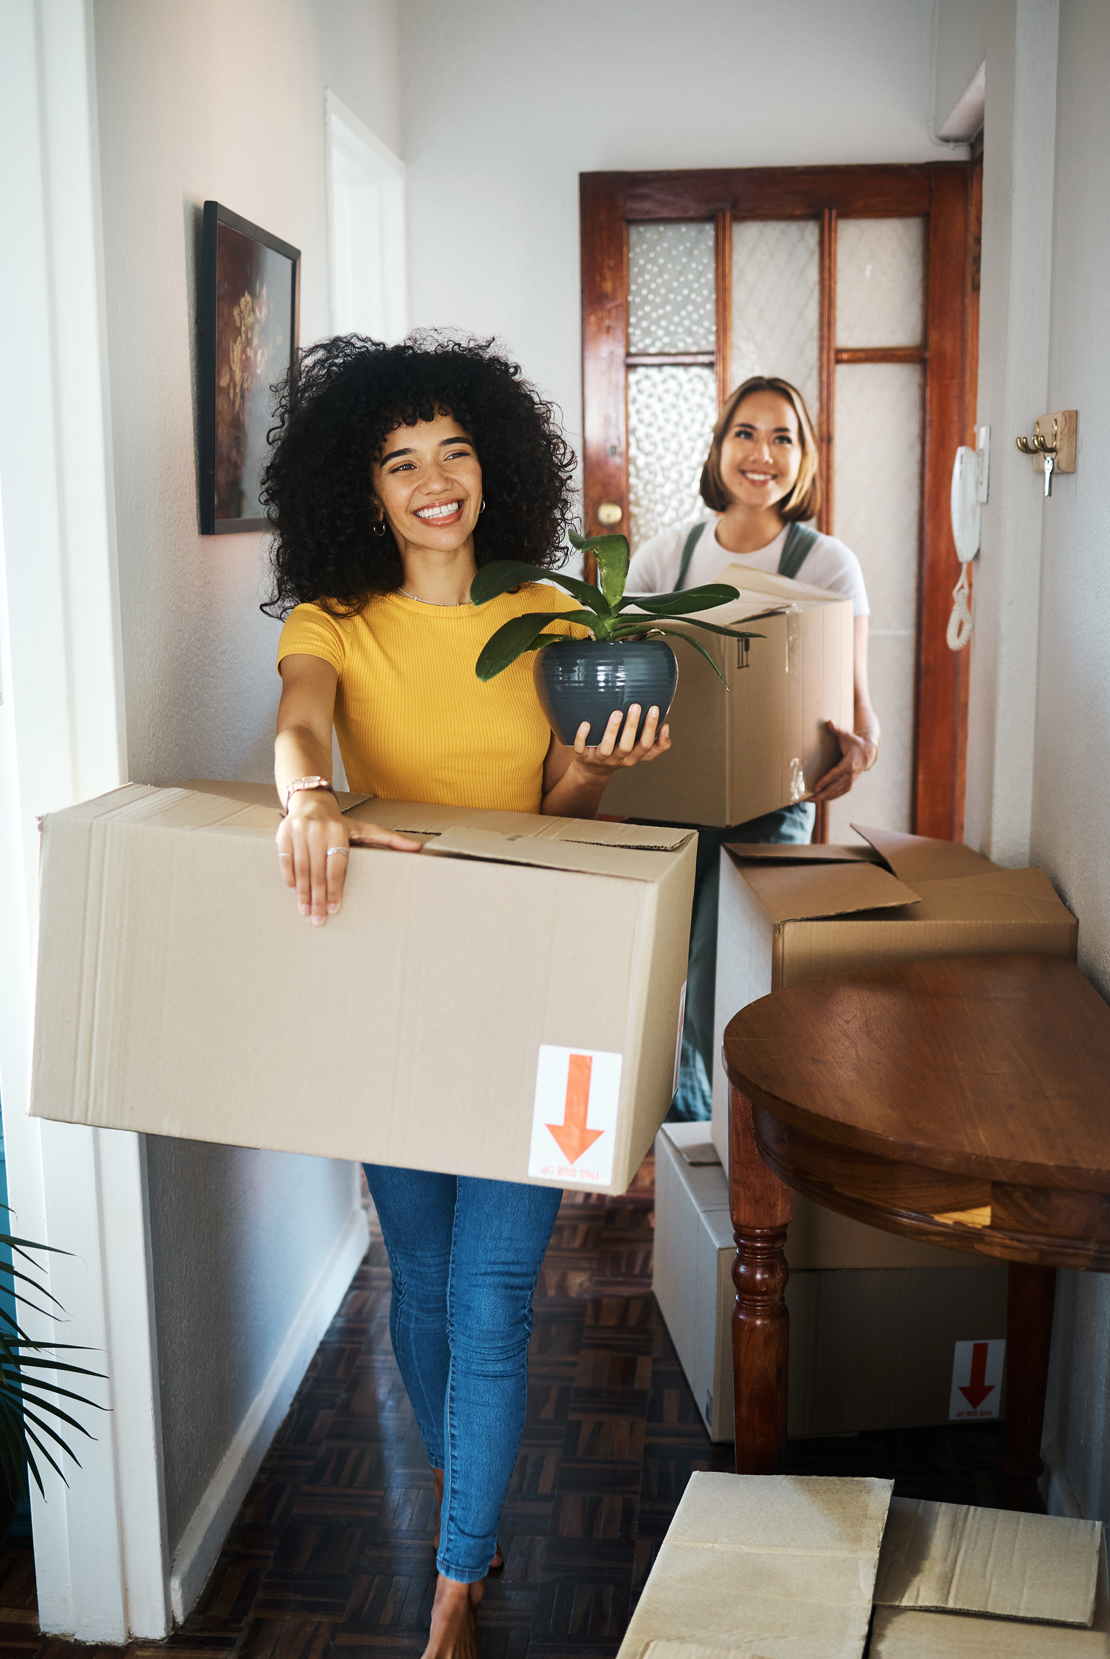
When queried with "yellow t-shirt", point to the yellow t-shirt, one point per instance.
{"points": [[413, 719]]}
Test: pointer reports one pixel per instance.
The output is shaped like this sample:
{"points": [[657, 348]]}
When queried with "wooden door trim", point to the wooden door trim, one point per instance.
{"points": [[604, 234], [938, 740], [944, 193], [887, 191]]}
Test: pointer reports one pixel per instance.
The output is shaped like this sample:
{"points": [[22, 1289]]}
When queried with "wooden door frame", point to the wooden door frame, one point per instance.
{"points": [[947, 195]]}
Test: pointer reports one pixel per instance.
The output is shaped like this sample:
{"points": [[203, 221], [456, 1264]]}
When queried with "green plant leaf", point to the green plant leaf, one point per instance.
{"points": [[504, 574], [701, 648], [612, 555], [517, 636], [677, 604], [713, 628]]}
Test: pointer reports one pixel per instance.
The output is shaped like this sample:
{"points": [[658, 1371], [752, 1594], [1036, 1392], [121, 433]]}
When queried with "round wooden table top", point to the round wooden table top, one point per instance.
{"points": [[992, 1066]]}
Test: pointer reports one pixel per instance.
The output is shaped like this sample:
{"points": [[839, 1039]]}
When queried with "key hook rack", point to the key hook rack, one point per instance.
{"points": [[1056, 453], [1037, 444]]}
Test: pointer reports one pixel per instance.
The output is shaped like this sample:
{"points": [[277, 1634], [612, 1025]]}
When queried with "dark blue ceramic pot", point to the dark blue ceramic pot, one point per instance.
{"points": [[587, 679]]}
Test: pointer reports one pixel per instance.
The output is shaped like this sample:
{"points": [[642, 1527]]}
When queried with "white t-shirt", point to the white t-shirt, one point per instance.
{"points": [[828, 564]]}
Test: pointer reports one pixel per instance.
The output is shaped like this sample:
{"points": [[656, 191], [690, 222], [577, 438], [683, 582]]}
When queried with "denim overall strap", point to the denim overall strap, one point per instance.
{"points": [[795, 548], [688, 553]]}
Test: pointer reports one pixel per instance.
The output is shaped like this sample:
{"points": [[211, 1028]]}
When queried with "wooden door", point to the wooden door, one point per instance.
{"points": [[859, 284]]}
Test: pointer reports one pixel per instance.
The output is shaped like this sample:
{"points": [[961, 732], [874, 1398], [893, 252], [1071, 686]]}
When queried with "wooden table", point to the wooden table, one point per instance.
{"points": [[963, 1102]]}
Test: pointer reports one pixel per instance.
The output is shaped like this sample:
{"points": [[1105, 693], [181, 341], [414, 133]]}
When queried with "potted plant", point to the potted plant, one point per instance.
{"points": [[628, 659], [29, 1411]]}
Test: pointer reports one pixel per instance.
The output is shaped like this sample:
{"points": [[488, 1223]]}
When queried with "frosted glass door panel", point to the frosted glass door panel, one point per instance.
{"points": [[671, 415], [877, 496], [672, 295], [775, 277], [880, 282]]}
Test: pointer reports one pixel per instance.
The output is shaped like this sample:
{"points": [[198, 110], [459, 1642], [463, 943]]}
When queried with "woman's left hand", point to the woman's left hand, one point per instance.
{"points": [[857, 754], [598, 764]]}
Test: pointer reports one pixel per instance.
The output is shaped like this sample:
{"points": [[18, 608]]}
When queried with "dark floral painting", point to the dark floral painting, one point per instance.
{"points": [[247, 338]]}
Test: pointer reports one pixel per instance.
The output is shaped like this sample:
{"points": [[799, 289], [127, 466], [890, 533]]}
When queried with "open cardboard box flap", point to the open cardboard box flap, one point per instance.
{"points": [[588, 857], [915, 858], [943, 880], [463, 832], [796, 891], [755, 588], [1000, 895], [801, 852], [769, 583], [948, 1557]]}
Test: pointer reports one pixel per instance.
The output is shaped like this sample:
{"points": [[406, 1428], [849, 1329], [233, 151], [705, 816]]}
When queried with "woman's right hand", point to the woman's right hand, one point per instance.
{"points": [[313, 847]]}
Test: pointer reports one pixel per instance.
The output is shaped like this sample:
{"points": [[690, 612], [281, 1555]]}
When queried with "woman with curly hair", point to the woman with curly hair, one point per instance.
{"points": [[396, 472]]}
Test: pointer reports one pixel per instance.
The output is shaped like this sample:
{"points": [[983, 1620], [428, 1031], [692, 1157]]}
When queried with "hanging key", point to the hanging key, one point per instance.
{"points": [[1049, 469]]}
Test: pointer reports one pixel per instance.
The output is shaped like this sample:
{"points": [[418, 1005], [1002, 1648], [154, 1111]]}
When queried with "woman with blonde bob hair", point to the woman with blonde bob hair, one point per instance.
{"points": [[760, 481]]}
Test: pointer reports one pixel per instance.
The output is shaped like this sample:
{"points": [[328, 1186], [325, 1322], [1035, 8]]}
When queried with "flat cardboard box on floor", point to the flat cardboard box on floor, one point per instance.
{"points": [[763, 743], [434, 1023], [955, 1581], [789, 1567], [870, 1347], [775, 1565], [789, 914]]}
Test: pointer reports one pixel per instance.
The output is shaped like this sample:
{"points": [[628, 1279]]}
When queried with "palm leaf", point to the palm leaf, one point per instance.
{"points": [[519, 635], [29, 1398]]}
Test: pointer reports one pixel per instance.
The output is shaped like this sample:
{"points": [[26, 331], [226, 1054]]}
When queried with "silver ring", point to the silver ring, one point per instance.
{"points": [[332, 850]]}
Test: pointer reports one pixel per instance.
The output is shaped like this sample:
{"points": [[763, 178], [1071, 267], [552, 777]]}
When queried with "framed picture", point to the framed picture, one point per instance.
{"points": [[247, 334]]}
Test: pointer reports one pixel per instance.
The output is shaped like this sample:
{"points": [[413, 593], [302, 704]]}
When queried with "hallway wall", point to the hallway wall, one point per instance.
{"points": [[500, 120], [211, 101], [1071, 784]]}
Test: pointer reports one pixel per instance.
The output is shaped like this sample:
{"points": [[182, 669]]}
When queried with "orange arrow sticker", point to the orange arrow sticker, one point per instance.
{"points": [[572, 1135], [575, 1115]]}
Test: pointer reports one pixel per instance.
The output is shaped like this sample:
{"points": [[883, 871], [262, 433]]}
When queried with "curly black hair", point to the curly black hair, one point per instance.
{"points": [[334, 411]]}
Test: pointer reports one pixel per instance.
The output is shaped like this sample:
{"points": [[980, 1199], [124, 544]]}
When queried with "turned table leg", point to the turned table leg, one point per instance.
{"points": [[761, 1207], [1030, 1298]]}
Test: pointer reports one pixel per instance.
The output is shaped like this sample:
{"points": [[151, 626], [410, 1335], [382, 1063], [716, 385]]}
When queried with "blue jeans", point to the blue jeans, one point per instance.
{"points": [[694, 1100], [465, 1255]]}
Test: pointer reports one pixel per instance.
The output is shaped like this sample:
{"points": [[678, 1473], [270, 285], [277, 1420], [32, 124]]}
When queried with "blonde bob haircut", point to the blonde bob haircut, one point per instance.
{"points": [[804, 499]]}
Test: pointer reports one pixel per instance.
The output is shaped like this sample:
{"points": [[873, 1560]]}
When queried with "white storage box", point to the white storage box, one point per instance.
{"points": [[870, 1347]]}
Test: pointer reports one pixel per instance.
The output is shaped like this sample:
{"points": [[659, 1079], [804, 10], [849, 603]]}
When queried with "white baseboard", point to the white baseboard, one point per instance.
{"points": [[211, 1520]]}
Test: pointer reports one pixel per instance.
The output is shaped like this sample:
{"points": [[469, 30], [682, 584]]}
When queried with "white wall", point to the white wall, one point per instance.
{"points": [[1071, 779], [961, 47], [200, 101], [500, 119]]}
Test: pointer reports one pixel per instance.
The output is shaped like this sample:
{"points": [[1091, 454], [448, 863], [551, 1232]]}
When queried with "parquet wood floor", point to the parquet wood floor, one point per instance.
{"points": [[331, 1555]]}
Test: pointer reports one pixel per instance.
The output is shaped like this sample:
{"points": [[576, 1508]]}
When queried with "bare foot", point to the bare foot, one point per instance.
{"points": [[454, 1632], [497, 1565]]}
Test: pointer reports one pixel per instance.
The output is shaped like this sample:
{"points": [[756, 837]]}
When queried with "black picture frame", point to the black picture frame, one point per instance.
{"points": [[248, 311]]}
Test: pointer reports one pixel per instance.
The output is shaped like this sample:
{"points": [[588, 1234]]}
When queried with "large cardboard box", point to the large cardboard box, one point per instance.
{"points": [[505, 1003], [763, 743], [870, 1347], [788, 914], [779, 1566]]}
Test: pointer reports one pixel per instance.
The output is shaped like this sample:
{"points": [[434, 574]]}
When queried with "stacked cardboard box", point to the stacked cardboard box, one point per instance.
{"points": [[773, 1567], [873, 1316], [505, 1003], [788, 914]]}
